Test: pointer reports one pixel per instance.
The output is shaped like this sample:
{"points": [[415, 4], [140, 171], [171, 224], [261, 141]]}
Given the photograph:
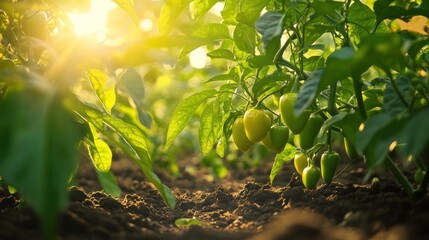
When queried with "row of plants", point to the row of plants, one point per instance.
{"points": [[311, 69]]}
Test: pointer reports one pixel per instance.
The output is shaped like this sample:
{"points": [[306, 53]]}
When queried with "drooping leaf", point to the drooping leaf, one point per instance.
{"points": [[244, 38], [128, 6], [285, 156], [38, 145], [270, 25], [109, 183], [183, 113], [210, 126], [132, 141], [104, 87], [170, 12], [308, 92]]}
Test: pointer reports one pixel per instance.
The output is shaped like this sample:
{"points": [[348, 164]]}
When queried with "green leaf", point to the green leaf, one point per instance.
{"points": [[210, 126], [128, 6], [415, 133], [131, 83], [104, 87], [313, 63], [201, 7], [100, 154], [183, 113], [38, 145], [349, 122], [250, 11], [212, 31], [186, 222], [285, 156], [379, 145], [271, 81], [371, 127], [221, 53], [109, 183], [308, 93], [361, 20], [244, 38], [170, 13], [384, 11], [230, 10], [392, 103], [132, 141], [270, 25]]}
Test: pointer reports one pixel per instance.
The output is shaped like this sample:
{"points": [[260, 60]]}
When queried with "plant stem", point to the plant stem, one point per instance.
{"points": [[329, 140], [399, 176], [332, 97], [357, 86]]}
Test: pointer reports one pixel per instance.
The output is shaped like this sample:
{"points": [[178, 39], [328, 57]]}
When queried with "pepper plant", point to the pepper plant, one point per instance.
{"points": [[361, 67], [61, 96]]}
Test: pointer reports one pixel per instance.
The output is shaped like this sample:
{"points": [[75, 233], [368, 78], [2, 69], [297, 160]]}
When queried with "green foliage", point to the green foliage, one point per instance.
{"points": [[347, 62], [33, 158], [64, 95]]}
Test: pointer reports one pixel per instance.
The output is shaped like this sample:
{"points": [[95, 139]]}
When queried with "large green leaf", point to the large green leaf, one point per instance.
{"points": [[128, 6], [210, 126], [38, 150], [104, 87], [183, 113]]}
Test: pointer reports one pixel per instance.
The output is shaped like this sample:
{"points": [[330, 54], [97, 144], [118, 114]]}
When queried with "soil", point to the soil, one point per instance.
{"points": [[241, 206]]}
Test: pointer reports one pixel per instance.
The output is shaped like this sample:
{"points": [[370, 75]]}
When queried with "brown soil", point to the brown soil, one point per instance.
{"points": [[241, 206]]}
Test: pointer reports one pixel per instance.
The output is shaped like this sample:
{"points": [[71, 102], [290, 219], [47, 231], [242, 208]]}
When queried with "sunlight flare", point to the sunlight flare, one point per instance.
{"points": [[92, 22]]}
